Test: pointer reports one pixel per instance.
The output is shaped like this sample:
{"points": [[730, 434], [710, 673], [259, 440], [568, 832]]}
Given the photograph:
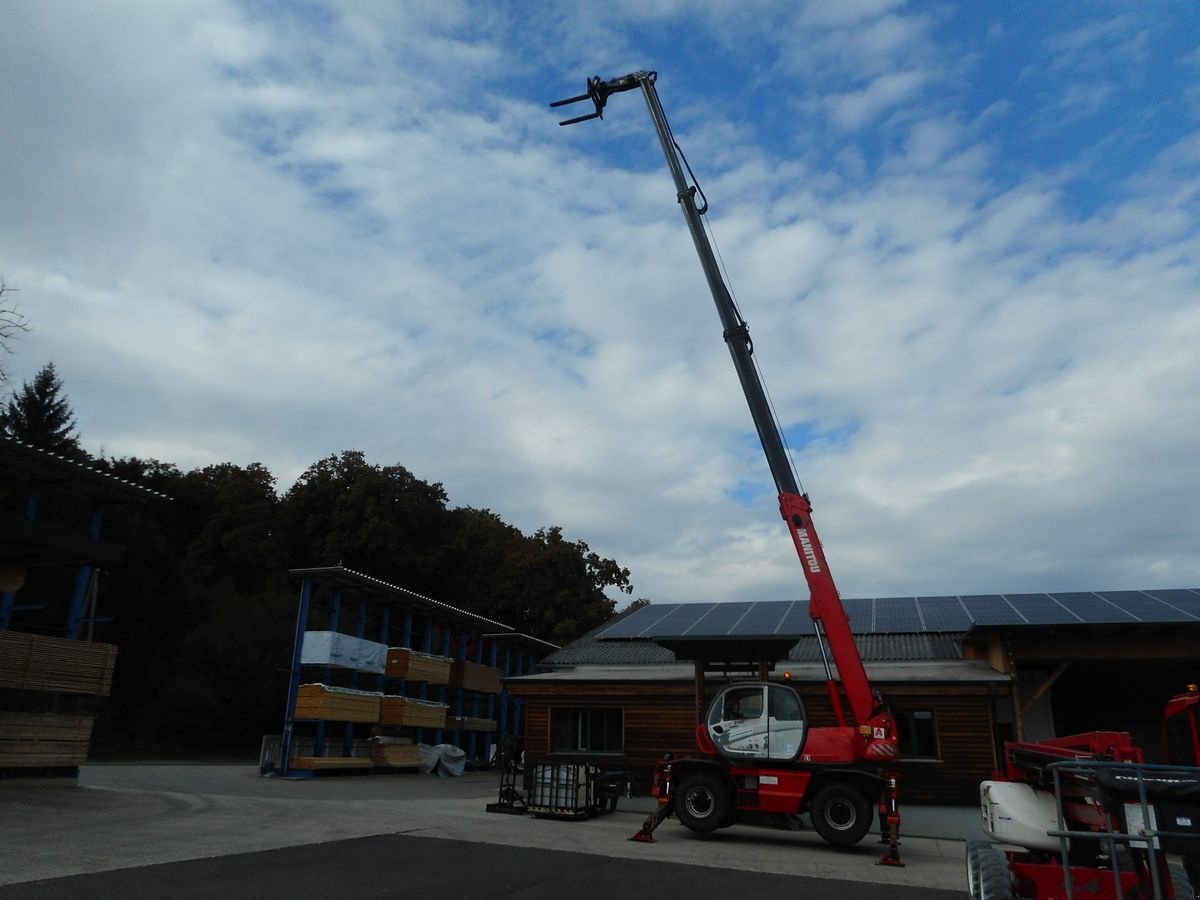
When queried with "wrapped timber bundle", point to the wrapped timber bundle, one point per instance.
{"points": [[332, 648], [320, 701], [49, 740], [403, 662], [412, 712], [475, 677], [33, 662]]}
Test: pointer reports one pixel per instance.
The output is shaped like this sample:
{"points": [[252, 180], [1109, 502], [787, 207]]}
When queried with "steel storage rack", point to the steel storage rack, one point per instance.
{"points": [[373, 677]]}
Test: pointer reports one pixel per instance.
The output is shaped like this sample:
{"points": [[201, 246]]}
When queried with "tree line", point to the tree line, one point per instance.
{"points": [[203, 608]]}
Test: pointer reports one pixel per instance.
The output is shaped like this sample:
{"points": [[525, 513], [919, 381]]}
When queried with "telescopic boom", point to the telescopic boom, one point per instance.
{"points": [[825, 607]]}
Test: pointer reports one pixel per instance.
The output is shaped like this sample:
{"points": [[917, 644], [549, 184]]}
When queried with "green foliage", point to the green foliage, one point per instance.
{"points": [[39, 414], [204, 609], [383, 521]]}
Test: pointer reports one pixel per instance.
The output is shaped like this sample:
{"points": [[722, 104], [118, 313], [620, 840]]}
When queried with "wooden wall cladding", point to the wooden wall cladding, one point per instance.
{"points": [[319, 701], [36, 740], [411, 712], [403, 662], [475, 677], [34, 662]]}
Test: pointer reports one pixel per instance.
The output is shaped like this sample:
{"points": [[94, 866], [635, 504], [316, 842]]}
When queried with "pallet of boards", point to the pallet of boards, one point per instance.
{"points": [[33, 662], [470, 723], [394, 753], [319, 701], [403, 662], [412, 712], [475, 677], [37, 740]]}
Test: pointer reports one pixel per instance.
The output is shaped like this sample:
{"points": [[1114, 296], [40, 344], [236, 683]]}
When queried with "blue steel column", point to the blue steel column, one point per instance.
{"points": [[335, 613], [285, 746], [488, 739], [385, 638], [82, 580], [427, 647], [360, 632], [446, 637], [460, 693], [8, 599], [505, 699]]}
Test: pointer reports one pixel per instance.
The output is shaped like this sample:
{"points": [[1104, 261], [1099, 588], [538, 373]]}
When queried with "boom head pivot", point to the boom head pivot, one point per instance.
{"points": [[598, 92]]}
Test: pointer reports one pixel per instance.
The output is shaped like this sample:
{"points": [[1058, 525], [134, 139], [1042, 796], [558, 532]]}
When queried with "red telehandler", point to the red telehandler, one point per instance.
{"points": [[755, 753], [1083, 817]]}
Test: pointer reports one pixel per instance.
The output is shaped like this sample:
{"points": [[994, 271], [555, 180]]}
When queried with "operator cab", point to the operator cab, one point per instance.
{"points": [[757, 722]]}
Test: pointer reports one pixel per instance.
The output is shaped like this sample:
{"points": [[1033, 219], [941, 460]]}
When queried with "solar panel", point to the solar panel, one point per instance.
{"points": [[796, 619], [638, 621], [991, 609], [1185, 601], [1142, 606], [943, 614], [896, 614], [1042, 609], [1092, 608], [900, 615], [681, 620], [861, 613], [762, 618], [721, 619]]}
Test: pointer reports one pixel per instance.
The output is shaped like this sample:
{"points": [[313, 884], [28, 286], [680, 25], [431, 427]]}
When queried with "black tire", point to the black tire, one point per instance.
{"points": [[995, 876], [841, 814], [974, 848], [1181, 884], [703, 801]]}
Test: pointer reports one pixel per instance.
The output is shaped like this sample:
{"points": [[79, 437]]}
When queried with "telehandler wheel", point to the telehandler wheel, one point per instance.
{"points": [[973, 850], [840, 813], [703, 802], [1181, 885], [995, 877]]}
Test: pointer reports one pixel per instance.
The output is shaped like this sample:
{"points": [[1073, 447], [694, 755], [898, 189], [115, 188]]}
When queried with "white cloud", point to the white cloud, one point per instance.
{"points": [[255, 237]]}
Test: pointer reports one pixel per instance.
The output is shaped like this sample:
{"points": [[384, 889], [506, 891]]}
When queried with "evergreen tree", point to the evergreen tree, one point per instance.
{"points": [[39, 414]]}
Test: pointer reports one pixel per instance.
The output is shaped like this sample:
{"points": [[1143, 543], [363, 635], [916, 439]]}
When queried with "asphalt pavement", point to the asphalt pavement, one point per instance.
{"points": [[204, 831]]}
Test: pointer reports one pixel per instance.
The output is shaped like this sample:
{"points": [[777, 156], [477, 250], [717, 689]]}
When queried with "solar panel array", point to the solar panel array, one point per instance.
{"points": [[896, 615]]}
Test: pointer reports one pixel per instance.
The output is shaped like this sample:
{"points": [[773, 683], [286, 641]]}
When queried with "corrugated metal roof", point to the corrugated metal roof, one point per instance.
{"points": [[588, 651]]}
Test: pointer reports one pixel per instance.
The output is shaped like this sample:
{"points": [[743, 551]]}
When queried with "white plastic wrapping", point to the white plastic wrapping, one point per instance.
{"points": [[331, 648]]}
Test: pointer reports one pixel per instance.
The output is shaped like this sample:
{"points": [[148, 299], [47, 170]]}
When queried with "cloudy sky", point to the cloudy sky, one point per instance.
{"points": [[966, 238]]}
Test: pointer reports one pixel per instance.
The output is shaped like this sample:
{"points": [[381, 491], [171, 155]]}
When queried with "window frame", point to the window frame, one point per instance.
{"points": [[578, 716], [906, 720]]}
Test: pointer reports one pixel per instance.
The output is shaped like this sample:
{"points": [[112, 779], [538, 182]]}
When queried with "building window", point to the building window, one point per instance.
{"points": [[918, 734], [586, 731]]}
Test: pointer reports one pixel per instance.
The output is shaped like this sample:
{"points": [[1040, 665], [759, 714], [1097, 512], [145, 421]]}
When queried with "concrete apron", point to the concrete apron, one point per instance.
{"points": [[124, 816]]}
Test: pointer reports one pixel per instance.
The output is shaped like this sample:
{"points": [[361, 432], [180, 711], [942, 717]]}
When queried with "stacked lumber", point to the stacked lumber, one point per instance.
{"points": [[412, 712], [395, 753], [33, 662], [475, 677], [412, 664], [470, 723], [331, 762], [319, 701], [43, 740]]}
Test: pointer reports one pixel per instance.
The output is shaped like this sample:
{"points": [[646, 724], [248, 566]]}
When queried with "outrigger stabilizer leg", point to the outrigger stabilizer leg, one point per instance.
{"points": [[646, 835], [889, 823]]}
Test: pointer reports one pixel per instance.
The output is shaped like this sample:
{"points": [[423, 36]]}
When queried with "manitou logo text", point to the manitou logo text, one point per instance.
{"points": [[810, 555]]}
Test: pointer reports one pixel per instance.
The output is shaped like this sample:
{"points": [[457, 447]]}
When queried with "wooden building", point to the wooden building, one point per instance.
{"points": [[961, 675]]}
